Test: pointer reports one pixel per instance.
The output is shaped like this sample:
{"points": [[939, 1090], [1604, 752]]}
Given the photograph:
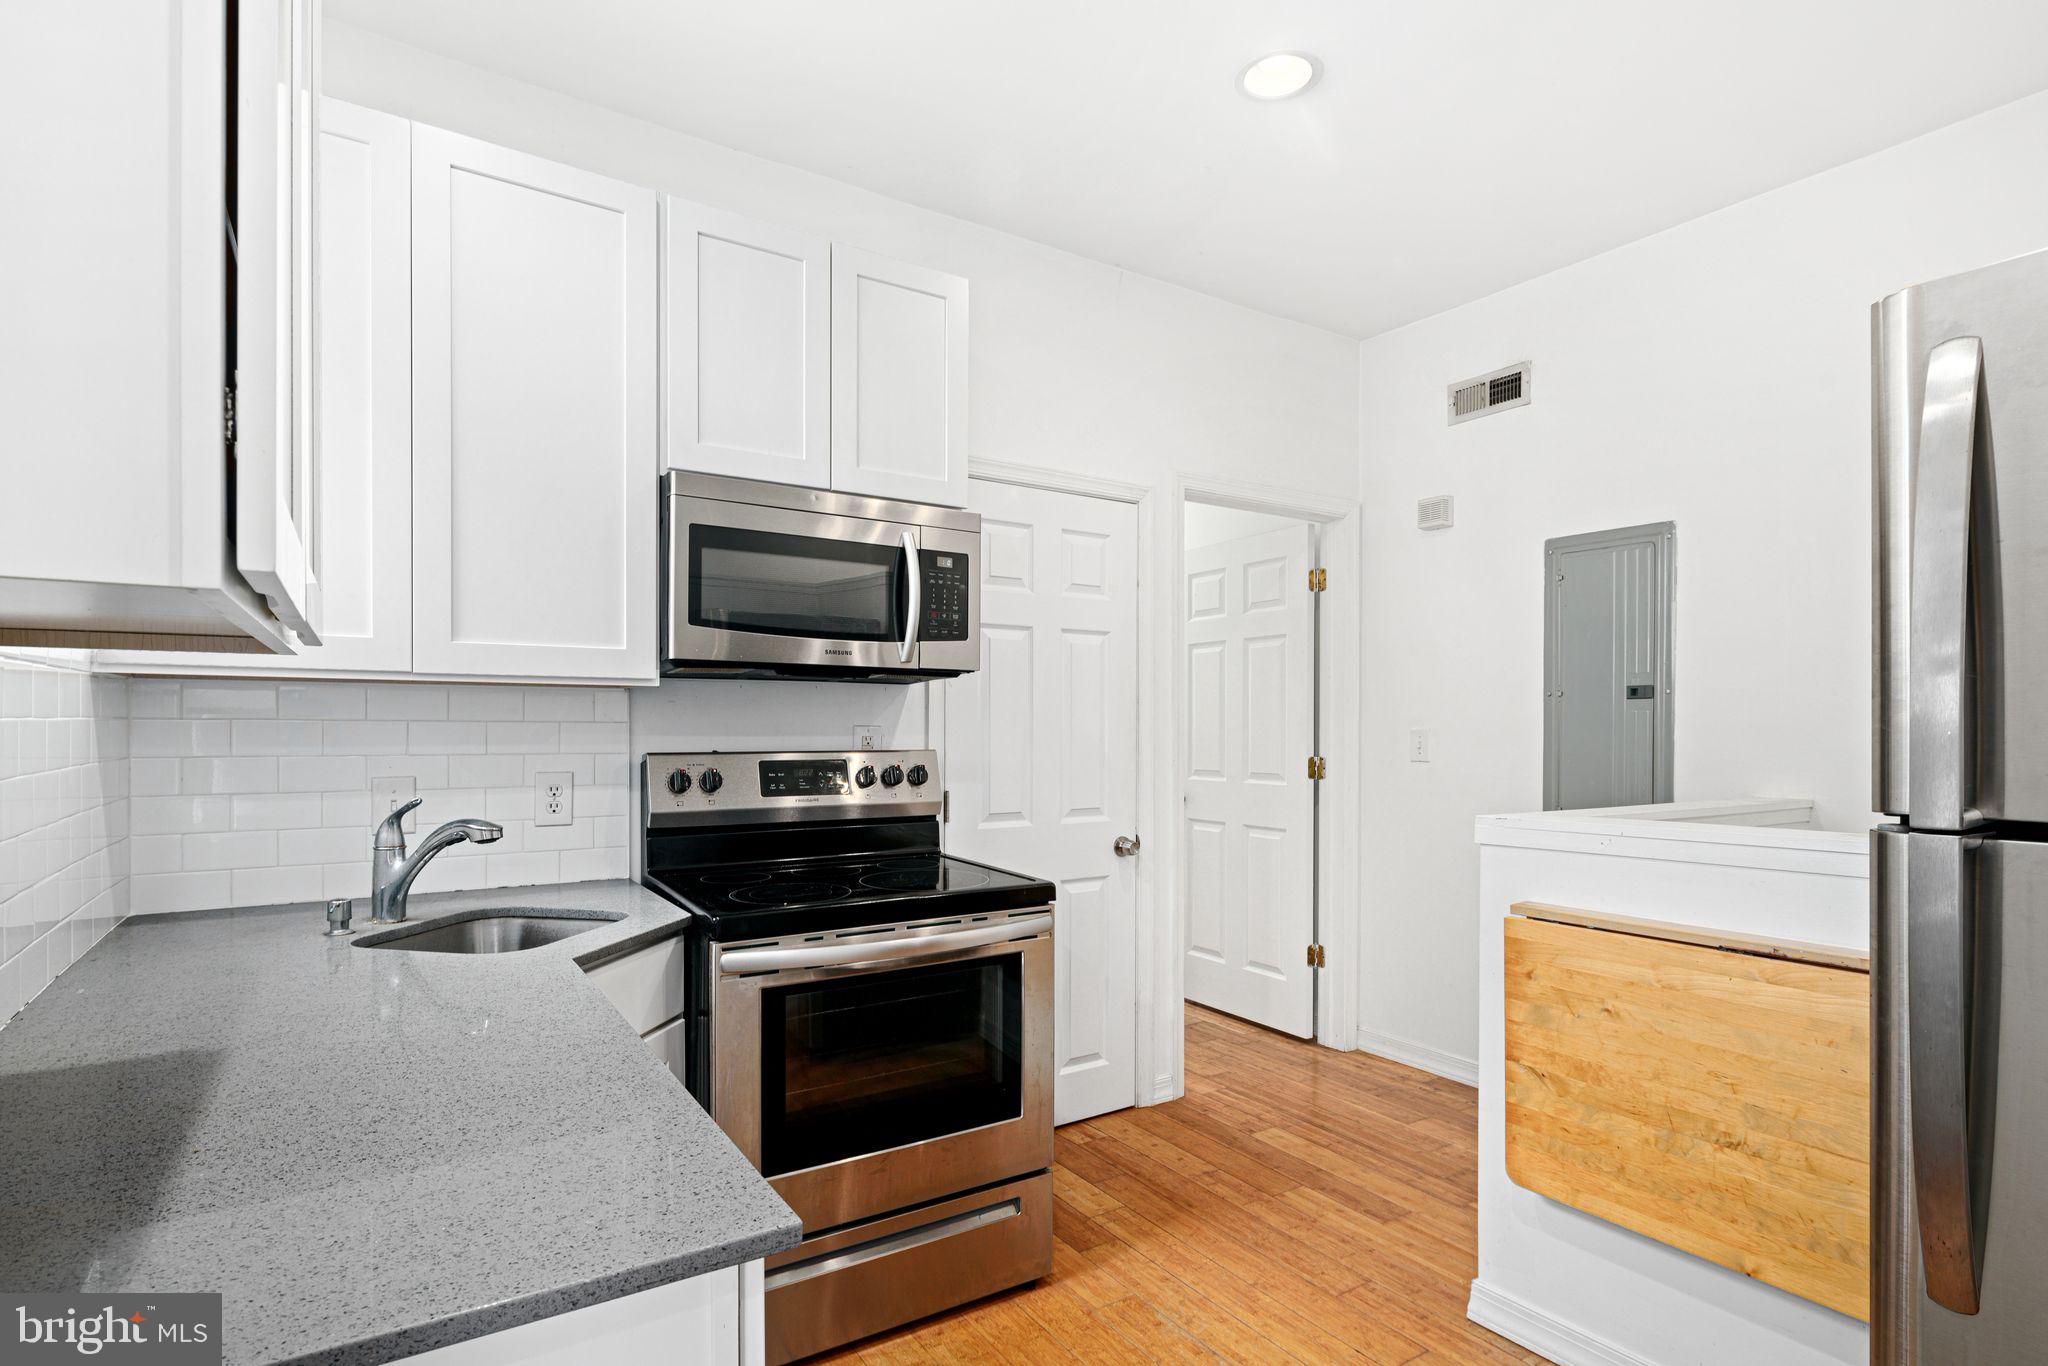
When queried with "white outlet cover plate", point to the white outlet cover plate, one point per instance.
{"points": [[867, 737], [1418, 746], [552, 812]]}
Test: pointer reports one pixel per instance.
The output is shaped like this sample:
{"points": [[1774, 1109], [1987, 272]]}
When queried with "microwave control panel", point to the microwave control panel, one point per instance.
{"points": [[945, 576]]}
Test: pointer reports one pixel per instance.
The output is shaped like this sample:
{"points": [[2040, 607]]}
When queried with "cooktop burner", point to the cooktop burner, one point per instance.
{"points": [[773, 893], [928, 879]]}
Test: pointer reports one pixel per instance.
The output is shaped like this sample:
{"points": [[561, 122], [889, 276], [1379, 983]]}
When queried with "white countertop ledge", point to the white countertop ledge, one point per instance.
{"points": [[1749, 832]]}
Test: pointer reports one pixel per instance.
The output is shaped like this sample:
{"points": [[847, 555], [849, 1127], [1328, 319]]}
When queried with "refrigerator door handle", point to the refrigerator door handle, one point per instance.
{"points": [[1941, 970], [1939, 737]]}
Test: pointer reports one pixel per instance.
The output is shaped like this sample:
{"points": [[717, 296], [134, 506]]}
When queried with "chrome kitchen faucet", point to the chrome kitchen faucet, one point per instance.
{"points": [[392, 870]]}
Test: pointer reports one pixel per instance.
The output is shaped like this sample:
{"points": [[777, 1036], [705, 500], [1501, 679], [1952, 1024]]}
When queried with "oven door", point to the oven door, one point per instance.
{"points": [[864, 1075], [760, 586]]}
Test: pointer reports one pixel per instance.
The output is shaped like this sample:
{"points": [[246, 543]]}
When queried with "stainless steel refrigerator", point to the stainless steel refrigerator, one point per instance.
{"points": [[1959, 884]]}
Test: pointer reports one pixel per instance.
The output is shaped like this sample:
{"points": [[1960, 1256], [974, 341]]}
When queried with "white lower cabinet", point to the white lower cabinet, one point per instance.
{"points": [[709, 1320]]}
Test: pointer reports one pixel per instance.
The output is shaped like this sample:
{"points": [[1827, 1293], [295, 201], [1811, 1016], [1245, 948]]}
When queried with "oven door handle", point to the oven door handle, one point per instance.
{"points": [[736, 961], [905, 646]]}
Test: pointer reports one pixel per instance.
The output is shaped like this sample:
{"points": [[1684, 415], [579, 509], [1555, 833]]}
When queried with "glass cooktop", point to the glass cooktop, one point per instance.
{"points": [[742, 900]]}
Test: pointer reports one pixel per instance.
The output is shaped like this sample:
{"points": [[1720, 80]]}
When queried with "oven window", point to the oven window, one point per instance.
{"points": [[857, 1064], [782, 585]]}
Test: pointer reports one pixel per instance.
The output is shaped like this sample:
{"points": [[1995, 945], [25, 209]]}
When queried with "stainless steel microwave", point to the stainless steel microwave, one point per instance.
{"points": [[771, 581]]}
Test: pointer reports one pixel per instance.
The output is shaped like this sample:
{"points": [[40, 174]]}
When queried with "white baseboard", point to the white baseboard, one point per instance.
{"points": [[1564, 1343], [1450, 1065]]}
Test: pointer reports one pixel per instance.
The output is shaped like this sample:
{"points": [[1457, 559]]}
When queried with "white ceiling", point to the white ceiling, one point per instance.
{"points": [[1449, 150]]}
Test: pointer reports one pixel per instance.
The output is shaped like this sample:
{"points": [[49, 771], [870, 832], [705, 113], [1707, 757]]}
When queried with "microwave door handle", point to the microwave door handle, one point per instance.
{"points": [[906, 647], [1938, 738]]}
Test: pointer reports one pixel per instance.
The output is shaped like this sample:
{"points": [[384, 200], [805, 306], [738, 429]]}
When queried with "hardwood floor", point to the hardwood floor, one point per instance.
{"points": [[1298, 1204]]}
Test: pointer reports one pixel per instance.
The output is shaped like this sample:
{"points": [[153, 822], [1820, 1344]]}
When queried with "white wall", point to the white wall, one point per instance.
{"points": [[1717, 374], [257, 793], [63, 817]]}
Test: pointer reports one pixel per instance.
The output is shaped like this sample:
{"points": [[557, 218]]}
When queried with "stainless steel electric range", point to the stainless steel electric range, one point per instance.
{"points": [[870, 1021]]}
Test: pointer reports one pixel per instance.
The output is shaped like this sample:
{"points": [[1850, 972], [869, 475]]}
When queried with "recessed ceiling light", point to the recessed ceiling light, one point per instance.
{"points": [[1279, 75]]}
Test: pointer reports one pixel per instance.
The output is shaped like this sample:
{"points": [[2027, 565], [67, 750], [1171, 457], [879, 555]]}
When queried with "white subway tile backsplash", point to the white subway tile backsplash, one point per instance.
{"points": [[227, 700], [364, 737], [445, 737], [322, 701], [325, 773], [486, 770], [64, 817], [407, 702], [247, 774], [277, 737], [479, 703], [234, 806], [561, 704], [230, 849], [525, 737]]}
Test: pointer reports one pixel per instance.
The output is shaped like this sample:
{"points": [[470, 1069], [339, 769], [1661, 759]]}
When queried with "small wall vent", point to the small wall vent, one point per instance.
{"points": [[1433, 514], [1477, 397]]}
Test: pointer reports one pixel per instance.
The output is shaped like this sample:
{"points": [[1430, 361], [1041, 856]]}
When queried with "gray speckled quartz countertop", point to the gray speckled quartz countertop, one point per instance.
{"points": [[369, 1153]]}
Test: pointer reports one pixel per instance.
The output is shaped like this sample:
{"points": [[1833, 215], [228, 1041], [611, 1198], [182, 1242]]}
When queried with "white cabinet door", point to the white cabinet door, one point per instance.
{"points": [[1249, 807], [276, 455], [746, 317], [535, 471], [1043, 759], [899, 379], [363, 496]]}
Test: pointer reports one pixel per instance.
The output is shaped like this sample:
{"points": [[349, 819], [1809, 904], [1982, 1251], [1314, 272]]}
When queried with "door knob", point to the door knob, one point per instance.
{"points": [[1127, 845]]}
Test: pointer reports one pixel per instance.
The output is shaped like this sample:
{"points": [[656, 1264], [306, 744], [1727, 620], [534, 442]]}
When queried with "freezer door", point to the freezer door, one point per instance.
{"points": [[1968, 419], [1972, 1141]]}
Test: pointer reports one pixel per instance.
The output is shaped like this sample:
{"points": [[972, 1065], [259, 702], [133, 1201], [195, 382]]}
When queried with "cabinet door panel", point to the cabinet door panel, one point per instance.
{"points": [[899, 379], [277, 128], [747, 309], [364, 481], [534, 465]]}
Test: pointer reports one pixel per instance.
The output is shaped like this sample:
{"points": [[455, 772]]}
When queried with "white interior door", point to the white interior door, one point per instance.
{"points": [[1248, 803], [1042, 754]]}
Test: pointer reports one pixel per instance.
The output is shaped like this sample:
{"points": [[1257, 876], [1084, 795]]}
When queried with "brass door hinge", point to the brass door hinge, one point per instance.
{"points": [[1315, 955], [1318, 580], [1317, 769]]}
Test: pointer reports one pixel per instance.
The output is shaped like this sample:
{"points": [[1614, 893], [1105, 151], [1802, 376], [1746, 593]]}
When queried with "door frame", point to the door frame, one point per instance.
{"points": [[1338, 811], [1161, 989], [1665, 534]]}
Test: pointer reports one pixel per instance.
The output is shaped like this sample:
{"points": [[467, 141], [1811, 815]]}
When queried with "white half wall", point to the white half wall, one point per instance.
{"points": [[1718, 375]]}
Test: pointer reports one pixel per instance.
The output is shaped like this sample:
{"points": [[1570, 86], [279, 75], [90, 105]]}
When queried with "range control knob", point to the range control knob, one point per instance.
{"points": [[919, 775], [679, 782], [866, 776], [709, 781], [891, 776]]}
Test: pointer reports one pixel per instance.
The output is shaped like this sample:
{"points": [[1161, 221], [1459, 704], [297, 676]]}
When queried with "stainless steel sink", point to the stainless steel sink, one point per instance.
{"points": [[510, 930]]}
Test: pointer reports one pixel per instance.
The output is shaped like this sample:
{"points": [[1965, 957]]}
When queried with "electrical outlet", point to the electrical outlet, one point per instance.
{"points": [[1418, 746], [554, 798], [867, 737]]}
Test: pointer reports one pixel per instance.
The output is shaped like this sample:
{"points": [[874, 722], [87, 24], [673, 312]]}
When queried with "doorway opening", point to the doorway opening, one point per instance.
{"points": [[1607, 667], [1249, 781]]}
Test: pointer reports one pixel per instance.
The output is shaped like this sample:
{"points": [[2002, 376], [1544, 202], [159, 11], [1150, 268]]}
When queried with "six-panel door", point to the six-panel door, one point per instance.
{"points": [[535, 472]]}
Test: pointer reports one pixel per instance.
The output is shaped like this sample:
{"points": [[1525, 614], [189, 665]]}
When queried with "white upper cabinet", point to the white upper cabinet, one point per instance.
{"points": [[363, 496], [535, 467], [899, 379], [746, 318], [276, 136], [117, 341]]}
